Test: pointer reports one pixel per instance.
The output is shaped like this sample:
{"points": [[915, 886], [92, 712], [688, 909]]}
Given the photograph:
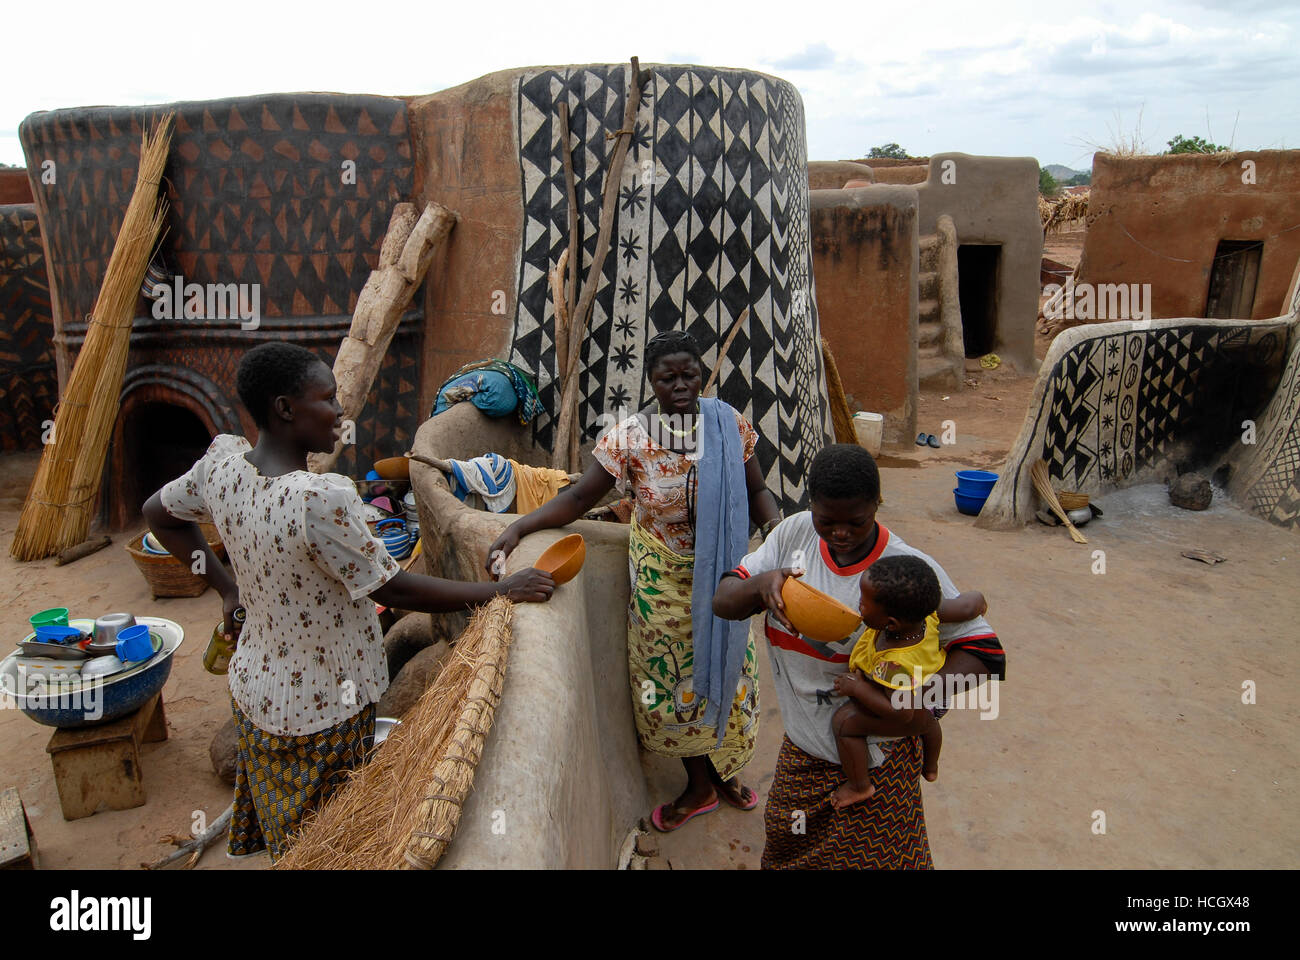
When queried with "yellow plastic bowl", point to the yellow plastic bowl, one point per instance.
{"points": [[816, 615], [564, 558]]}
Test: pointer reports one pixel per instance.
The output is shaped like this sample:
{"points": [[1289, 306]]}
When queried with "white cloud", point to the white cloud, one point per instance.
{"points": [[1009, 77]]}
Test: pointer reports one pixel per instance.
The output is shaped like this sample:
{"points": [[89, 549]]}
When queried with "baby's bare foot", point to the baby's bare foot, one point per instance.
{"points": [[846, 795]]}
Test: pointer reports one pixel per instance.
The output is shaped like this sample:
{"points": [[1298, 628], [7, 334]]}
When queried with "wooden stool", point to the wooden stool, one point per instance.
{"points": [[17, 845], [100, 766]]}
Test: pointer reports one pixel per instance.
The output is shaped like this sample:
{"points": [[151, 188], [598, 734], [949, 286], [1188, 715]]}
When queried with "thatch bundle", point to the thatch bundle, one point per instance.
{"points": [[58, 508], [401, 809], [1059, 211]]}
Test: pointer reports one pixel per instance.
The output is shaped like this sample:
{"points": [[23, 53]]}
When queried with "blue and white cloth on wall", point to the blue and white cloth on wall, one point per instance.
{"points": [[491, 476], [494, 386]]}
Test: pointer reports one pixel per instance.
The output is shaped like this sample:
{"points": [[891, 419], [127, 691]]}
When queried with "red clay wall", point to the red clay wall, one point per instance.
{"points": [[463, 162], [865, 263], [1158, 220], [834, 174], [14, 187]]}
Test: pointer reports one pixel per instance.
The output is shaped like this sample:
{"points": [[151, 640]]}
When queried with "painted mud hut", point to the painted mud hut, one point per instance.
{"points": [[921, 265]]}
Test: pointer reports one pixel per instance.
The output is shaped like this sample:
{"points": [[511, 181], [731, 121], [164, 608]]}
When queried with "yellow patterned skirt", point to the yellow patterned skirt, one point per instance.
{"points": [[279, 779], [660, 661]]}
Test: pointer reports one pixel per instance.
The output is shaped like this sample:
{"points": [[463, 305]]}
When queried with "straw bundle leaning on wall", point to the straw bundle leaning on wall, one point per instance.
{"points": [[401, 809], [57, 512]]}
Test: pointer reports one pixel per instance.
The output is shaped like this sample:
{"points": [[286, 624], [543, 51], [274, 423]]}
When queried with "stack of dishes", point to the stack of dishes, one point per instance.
{"points": [[412, 516], [395, 537], [151, 545]]}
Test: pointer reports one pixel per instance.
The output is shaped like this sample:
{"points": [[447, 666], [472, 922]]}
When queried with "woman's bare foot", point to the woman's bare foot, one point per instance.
{"points": [[734, 792], [846, 795], [677, 812]]}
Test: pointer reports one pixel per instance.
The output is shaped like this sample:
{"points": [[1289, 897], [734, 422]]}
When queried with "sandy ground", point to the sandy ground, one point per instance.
{"points": [[1124, 691]]}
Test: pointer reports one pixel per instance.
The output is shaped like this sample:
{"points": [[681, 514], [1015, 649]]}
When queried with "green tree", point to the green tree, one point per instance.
{"points": [[1080, 180], [1047, 184], [890, 151], [1181, 144]]}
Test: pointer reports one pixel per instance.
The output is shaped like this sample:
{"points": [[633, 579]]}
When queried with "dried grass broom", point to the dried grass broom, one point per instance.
{"points": [[58, 508], [1043, 484], [401, 809]]}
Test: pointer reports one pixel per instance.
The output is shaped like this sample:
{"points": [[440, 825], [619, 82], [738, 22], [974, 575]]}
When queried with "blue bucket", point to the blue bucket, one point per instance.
{"points": [[969, 505], [976, 483]]}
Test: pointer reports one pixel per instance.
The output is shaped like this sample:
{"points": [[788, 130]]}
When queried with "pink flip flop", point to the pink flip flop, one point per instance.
{"points": [[657, 818]]}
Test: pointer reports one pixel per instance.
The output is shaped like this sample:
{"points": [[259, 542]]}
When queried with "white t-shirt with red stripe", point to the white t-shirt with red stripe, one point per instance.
{"points": [[805, 669]]}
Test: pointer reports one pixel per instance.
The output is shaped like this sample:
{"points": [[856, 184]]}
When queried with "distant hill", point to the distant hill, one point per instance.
{"points": [[1061, 172]]}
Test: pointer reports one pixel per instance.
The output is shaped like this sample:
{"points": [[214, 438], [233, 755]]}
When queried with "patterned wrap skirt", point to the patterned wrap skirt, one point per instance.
{"points": [[659, 664], [279, 779], [886, 832]]}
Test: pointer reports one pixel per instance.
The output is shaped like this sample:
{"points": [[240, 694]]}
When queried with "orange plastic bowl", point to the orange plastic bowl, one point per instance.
{"points": [[816, 615], [393, 468], [564, 558]]}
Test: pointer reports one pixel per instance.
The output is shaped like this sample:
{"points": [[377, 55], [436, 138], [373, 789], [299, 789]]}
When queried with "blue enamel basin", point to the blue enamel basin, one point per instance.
{"points": [[86, 704]]}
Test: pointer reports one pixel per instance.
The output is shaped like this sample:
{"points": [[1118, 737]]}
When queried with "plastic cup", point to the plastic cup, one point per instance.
{"points": [[53, 633], [134, 643], [53, 617]]}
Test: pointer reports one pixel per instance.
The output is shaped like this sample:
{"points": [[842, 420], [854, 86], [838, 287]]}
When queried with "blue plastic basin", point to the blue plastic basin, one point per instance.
{"points": [[969, 505], [976, 483]]}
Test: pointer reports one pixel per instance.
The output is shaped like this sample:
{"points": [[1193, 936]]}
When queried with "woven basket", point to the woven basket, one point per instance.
{"points": [[169, 577], [1071, 500]]}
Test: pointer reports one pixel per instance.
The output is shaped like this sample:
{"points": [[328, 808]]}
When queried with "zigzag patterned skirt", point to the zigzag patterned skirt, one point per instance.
{"points": [[279, 779], [886, 832]]}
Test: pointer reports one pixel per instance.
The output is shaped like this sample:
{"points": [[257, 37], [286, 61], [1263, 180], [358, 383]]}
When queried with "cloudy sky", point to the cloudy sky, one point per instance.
{"points": [[1000, 77]]}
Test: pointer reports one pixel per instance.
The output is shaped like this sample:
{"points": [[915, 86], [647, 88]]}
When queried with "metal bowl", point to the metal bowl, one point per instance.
{"points": [[384, 726], [55, 651], [82, 704], [110, 625]]}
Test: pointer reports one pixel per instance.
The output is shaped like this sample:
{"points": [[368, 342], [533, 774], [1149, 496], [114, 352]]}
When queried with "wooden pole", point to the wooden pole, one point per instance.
{"points": [[722, 354], [566, 433], [570, 282], [403, 261], [841, 415]]}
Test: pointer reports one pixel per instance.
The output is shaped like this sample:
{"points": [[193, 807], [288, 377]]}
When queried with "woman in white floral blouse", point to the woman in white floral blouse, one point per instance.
{"points": [[310, 663]]}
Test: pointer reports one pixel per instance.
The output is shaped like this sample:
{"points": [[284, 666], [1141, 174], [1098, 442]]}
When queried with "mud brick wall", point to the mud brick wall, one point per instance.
{"points": [[260, 192], [28, 386]]}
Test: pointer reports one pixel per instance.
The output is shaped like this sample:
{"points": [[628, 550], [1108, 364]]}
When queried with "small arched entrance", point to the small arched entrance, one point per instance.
{"points": [[166, 421]]}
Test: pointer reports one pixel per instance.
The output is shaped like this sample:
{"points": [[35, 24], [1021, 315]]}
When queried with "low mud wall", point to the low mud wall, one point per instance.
{"points": [[560, 783], [1129, 402]]}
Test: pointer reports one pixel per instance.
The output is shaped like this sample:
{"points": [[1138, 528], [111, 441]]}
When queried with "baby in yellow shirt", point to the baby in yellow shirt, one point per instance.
{"points": [[901, 604]]}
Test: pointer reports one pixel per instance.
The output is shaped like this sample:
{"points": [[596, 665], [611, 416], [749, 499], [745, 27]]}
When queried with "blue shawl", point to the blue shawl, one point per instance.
{"points": [[721, 540]]}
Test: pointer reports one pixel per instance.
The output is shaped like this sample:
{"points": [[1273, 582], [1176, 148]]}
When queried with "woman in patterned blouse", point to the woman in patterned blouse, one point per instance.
{"points": [[310, 662], [656, 456]]}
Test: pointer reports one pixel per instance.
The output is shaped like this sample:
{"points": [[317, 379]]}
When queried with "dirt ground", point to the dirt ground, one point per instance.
{"points": [[1124, 690]]}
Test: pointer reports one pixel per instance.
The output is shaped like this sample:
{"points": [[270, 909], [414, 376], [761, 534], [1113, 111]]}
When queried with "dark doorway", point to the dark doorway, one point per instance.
{"points": [[160, 441], [1232, 279], [977, 286]]}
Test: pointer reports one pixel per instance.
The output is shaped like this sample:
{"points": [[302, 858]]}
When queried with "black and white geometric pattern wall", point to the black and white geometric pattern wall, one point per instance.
{"points": [[1120, 407], [1269, 479], [712, 217]]}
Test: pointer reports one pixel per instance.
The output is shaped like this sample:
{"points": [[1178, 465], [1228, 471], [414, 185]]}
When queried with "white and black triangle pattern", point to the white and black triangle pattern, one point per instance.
{"points": [[712, 217], [1123, 404]]}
